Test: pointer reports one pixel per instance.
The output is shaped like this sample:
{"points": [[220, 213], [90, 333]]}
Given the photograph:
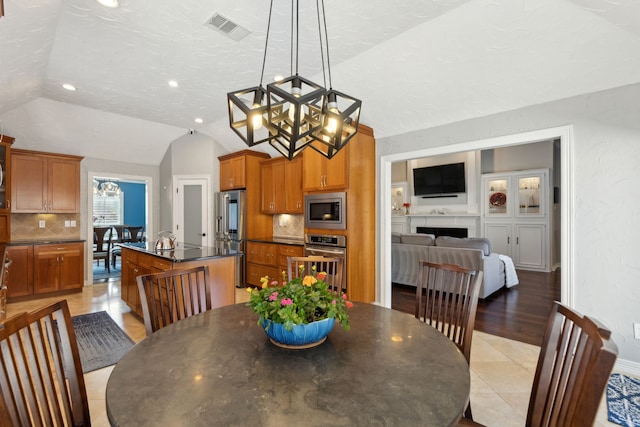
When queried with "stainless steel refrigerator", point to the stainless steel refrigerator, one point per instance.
{"points": [[230, 226]]}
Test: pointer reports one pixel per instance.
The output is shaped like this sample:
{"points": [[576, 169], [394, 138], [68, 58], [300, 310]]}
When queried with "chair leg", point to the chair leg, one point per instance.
{"points": [[467, 412]]}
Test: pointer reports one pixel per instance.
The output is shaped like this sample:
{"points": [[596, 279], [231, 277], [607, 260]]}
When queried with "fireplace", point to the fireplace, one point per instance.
{"points": [[444, 231]]}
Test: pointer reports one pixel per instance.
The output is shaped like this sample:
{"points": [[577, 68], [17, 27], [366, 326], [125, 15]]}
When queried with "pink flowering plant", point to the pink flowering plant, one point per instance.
{"points": [[299, 301]]}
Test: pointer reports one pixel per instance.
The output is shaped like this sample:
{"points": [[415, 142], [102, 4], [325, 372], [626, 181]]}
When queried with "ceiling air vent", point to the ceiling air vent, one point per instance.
{"points": [[227, 27]]}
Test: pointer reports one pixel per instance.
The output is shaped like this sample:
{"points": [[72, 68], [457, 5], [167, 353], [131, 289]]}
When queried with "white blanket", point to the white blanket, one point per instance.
{"points": [[510, 275]]}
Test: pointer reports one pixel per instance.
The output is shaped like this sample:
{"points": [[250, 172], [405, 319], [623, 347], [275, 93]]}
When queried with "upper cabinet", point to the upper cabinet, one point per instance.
{"points": [[45, 182], [5, 188], [519, 194], [281, 186], [321, 173], [232, 173]]}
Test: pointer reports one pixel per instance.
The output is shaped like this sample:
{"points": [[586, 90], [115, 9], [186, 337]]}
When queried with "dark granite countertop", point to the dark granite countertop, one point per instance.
{"points": [[184, 251], [45, 241], [280, 240]]}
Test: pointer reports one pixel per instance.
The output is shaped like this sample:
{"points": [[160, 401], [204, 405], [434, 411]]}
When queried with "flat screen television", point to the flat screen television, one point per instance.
{"points": [[439, 180]]}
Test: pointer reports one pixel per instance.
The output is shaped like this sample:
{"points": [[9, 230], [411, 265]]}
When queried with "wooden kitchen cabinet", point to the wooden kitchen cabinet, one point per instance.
{"points": [[45, 182], [281, 186], [136, 262], [268, 259], [232, 173], [5, 188], [321, 173], [19, 276], [58, 267]]}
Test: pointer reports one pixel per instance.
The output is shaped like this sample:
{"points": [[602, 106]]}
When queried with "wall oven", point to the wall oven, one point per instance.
{"points": [[328, 246], [326, 211]]}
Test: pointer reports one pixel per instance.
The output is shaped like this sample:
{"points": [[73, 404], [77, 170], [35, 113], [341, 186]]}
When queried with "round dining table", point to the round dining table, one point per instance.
{"points": [[219, 368]]}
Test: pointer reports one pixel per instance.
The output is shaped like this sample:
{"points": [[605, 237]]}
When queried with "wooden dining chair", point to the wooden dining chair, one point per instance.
{"points": [[173, 295], [102, 245], [303, 266], [41, 379], [116, 250], [575, 362], [135, 233], [447, 299]]}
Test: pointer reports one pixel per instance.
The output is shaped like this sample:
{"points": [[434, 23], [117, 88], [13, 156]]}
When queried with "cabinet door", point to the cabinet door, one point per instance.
{"points": [[72, 266], [268, 185], [46, 269], [63, 186], [500, 237], [5, 177], [232, 173], [320, 173], [130, 293], [261, 253], [532, 194], [19, 277], [28, 183], [5, 228], [530, 248], [497, 197], [293, 195], [255, 272]]}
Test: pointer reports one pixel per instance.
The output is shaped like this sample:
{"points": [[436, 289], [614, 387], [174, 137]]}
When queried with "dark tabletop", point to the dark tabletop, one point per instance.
{"points": [[219, 368]]}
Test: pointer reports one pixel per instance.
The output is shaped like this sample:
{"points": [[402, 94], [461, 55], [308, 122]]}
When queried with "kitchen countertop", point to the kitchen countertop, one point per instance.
{"points": [[280, 240], [48, 241], [184, 251]]}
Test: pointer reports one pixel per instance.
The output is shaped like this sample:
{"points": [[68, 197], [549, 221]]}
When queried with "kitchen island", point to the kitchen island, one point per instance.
{"points": [[139, 259]]}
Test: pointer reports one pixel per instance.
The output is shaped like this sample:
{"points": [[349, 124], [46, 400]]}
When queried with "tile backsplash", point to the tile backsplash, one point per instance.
{"points": [[27, 226], [288, 226]]}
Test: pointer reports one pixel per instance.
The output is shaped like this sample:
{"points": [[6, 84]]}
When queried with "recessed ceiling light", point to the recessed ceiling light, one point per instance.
{"points": [[198, 120], [68, 86], [109, 3], [173, 83]]}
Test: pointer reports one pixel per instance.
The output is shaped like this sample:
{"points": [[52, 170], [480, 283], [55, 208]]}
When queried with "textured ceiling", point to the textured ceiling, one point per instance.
{"points": [[414, 63]]}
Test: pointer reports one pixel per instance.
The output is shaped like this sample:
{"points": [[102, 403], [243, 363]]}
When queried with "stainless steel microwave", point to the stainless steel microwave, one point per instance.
{"points": [[326, 210]]}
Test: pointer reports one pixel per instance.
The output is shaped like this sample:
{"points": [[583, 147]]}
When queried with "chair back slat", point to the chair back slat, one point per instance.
{"points": [[304, 266], [576, 359], [447, 299], [41, 381], [173, 295]]}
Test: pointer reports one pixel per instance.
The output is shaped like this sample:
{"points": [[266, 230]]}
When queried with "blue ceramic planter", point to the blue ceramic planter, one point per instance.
{"points": [[301, 336]]}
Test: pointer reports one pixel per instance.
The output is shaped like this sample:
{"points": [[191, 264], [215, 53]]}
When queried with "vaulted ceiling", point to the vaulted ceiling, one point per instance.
{"points": [[414, 64]]}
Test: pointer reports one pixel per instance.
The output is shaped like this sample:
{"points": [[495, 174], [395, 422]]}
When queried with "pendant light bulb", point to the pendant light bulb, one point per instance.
{"points": [[256, 119], [295, 91], [332, 122]]}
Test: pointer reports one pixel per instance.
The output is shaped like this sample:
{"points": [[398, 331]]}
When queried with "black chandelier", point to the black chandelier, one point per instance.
{"points": [[295, 113]]}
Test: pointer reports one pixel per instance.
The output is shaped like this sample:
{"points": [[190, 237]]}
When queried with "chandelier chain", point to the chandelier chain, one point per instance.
{"points": [[266, 44]]}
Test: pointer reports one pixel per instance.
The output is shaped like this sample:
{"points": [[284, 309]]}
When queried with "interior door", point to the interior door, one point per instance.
{"points": [[192, 211]]}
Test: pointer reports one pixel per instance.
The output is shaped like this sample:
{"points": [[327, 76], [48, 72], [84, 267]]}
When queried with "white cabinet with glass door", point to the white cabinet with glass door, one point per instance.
{"points": [[515, 216]]}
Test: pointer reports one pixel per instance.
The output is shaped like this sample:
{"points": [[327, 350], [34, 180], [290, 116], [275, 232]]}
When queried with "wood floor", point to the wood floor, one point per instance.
{"points": [[519, 313]]}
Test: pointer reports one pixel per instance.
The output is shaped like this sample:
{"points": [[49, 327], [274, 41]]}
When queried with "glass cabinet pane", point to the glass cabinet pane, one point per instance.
{"points": [[529, 197], [498, 202]]}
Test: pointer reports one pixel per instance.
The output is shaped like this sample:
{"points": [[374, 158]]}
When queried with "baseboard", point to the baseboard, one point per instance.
{"points": [[627, 367]]}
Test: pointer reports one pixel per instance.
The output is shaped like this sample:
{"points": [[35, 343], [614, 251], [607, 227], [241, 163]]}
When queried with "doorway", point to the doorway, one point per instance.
{"points": [[116, 199], [564, 134], [192, 210]]}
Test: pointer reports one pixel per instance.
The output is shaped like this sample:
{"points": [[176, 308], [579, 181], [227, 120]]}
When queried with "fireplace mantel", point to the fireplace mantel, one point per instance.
{"points": [[470, 221]]}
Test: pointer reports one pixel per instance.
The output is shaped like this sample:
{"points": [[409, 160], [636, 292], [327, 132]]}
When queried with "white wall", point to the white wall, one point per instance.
{"points": [[606, 165]]}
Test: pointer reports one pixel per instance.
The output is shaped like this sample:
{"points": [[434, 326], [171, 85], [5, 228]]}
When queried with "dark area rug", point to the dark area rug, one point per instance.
{"points": [[100, 340], [623, 400]]}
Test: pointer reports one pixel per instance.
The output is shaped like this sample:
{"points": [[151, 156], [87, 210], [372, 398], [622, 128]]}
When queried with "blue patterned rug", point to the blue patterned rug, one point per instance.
{"points": [[100, 340], [623, 400]]}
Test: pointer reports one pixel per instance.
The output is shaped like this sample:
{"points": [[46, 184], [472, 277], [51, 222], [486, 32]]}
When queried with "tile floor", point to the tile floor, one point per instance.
{"points": [[502, 370]]}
